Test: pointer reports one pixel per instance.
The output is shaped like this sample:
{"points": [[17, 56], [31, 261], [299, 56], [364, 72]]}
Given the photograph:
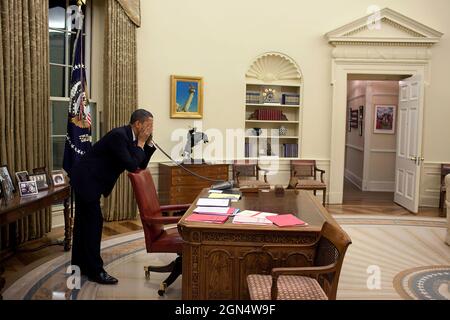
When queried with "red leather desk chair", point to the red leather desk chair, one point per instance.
{"points": [[157, 239]]}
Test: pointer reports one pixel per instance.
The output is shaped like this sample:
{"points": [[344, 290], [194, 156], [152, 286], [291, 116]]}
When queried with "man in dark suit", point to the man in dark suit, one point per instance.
{"points": [[125, 148]]}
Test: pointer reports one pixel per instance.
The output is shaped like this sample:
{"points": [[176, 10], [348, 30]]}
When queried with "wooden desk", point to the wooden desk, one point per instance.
{"points": [[218, 257], [19, 208], [177, 186]]}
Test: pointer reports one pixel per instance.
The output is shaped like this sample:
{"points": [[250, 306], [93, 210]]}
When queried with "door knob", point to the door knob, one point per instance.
{"points": [[413, 159]]}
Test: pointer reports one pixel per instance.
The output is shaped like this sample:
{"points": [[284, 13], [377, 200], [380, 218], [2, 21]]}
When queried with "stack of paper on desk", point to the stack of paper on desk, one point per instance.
{"points": [[206, 218], [253, 217], [205, 202], [219, 211]]}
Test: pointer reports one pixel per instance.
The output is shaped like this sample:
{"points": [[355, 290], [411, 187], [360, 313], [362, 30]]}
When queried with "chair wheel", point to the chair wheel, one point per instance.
{"points": [[147, 275], [162, 289]]}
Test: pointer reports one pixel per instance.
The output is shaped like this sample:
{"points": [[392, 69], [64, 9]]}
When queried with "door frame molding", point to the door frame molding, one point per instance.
{"points": [[341, 70], [382, 43]]}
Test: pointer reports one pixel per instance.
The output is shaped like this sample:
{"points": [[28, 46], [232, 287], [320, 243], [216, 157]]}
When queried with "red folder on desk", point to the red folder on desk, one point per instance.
{"points": [[206, 218], [287, 220]]}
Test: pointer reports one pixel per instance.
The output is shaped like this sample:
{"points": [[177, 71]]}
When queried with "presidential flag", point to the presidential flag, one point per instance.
{"points": [[79, 133]]}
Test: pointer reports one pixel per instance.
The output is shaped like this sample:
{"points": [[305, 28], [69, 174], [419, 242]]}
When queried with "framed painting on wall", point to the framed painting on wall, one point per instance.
{"points": [[385, 116], [186, 97]]}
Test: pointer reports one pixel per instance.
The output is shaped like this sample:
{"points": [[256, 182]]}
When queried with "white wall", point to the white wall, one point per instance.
{"points": [[219, 40]]}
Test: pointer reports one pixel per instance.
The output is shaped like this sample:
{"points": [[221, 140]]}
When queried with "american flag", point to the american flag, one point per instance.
{"points": [[79, 133]]}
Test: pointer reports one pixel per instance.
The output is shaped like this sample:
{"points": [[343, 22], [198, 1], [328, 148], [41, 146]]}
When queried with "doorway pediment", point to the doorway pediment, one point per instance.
{"points": [[385, 27]]}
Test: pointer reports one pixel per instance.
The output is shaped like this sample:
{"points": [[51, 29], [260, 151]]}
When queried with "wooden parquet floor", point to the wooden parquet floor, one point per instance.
{"points": [[375, 203]]}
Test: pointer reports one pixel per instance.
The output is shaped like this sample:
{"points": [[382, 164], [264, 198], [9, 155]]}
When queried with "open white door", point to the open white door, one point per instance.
{"points": [[409, 143]]}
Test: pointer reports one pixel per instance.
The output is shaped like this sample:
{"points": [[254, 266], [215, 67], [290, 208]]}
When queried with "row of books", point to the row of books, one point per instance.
{"points": [[253, 97], [290, 150], [269, 114], [290, 99]]}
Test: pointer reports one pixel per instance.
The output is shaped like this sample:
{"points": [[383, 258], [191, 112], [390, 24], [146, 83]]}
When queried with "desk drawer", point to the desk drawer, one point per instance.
{"points": [[202, 171], [195, 181]]}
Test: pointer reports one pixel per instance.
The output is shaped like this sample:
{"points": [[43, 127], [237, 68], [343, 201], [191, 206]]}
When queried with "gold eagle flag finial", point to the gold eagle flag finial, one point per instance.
{"points": [[81, 2]]}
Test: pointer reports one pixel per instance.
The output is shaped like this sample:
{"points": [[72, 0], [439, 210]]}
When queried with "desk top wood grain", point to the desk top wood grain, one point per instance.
{"points": [[299, 203]]}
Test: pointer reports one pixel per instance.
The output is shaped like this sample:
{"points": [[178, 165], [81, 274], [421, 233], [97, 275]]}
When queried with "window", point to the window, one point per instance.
{"points": [[62, 38]]}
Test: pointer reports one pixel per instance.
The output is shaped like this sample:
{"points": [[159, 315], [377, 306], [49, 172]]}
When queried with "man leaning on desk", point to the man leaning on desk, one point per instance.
{"points": [[125, 148]]}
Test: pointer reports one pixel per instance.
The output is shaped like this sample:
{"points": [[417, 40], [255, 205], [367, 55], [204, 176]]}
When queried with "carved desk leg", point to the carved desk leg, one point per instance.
{"points": [[67, 226]]}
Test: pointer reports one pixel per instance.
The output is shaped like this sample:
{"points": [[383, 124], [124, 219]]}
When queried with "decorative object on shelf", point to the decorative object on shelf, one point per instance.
{"points": [[361, 120], [385, 119], [4, 175], [283, 131], [269, 95], [28, 188], [257, 131], [186, 97]]}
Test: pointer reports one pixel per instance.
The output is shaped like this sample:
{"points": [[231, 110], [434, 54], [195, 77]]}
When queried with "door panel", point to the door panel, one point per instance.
{"points": [[409, 143]]}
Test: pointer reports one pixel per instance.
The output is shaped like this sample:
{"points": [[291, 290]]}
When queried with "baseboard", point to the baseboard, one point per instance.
{"points": [[335, 198], [380, 186], [429, 201], [353, 178]]}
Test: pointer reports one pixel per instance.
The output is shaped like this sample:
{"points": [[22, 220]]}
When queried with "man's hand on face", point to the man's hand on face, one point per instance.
{"points": [[145, 133]]}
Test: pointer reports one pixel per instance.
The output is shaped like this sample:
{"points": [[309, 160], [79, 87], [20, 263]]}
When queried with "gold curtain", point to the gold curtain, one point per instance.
{"points": [[24, 99], [120, 98], [132, 9]]}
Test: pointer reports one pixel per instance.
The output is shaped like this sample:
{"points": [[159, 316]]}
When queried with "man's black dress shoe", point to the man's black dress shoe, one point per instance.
{"points": [[103, 278]]}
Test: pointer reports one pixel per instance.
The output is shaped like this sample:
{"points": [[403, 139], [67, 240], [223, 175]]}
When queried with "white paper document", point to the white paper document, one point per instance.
{"points": [[212, 210], [253, 217], [206, 202]]}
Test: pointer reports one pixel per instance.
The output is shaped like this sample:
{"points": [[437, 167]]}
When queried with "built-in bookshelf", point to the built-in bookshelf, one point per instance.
{"points": [[273, 107]]}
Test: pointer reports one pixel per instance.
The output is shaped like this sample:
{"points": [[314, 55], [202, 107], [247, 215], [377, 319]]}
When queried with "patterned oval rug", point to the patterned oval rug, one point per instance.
{"points": [[424, 283]]}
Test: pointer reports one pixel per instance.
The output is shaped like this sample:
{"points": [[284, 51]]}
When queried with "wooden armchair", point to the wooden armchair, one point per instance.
{"points": [[304, 176], [247, 174], [319, 282], [445, 170]]}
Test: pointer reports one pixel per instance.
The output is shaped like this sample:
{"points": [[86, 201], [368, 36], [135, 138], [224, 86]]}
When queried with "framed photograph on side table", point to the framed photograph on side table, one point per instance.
{"points": [[4, 175], [28, 188], [41, 181], [58, 178]]}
